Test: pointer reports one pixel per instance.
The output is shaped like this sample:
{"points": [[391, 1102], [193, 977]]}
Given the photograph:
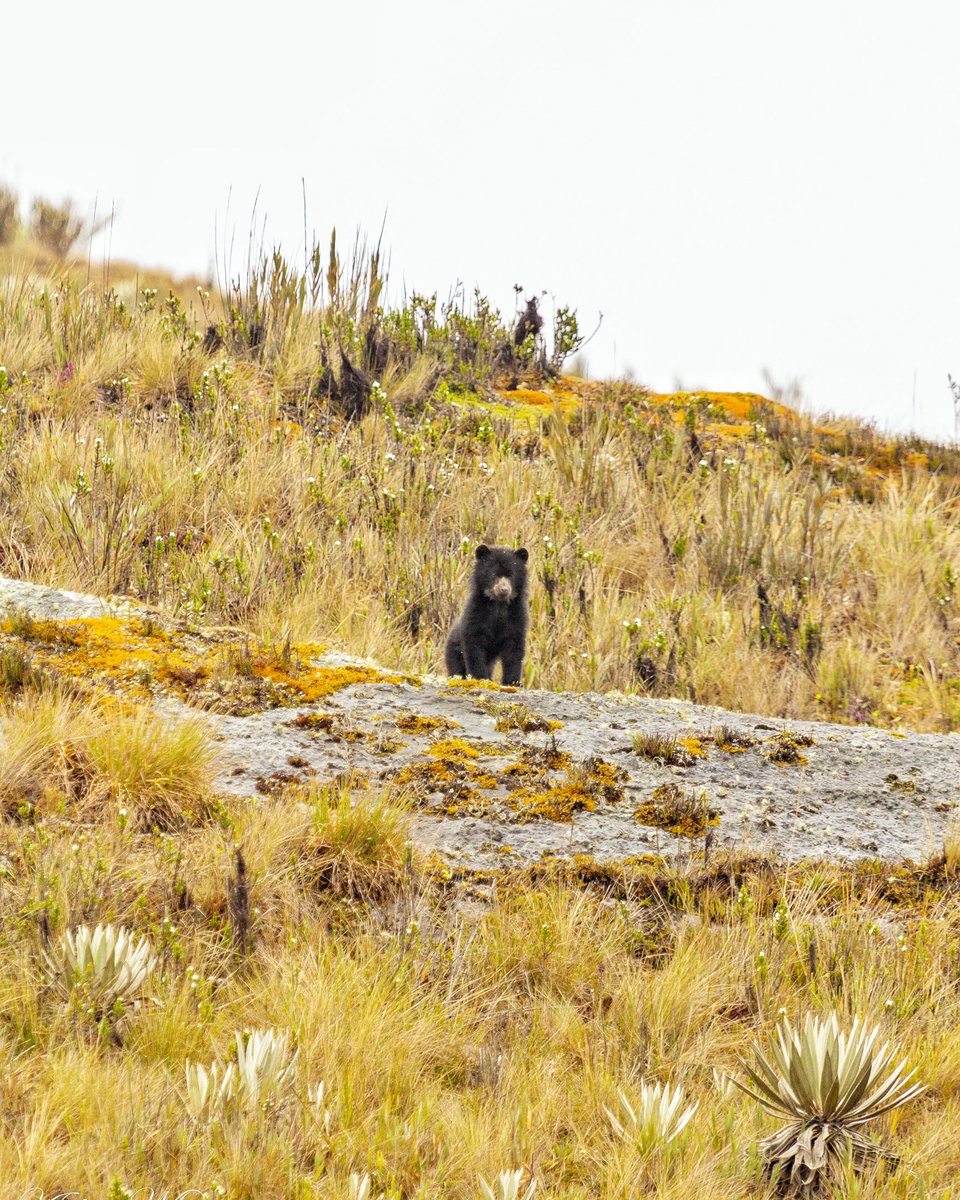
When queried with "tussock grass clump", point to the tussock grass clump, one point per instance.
{"points": [[43, 756], [356, 846], [159, 769], [61, 748]]}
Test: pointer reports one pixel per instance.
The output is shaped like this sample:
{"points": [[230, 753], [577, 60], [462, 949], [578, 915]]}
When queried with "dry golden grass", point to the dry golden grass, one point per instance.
{"points": [[454, 1039], [155, 771], [645, 568]]}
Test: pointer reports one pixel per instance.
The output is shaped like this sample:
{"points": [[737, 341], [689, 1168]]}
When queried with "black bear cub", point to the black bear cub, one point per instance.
{"points": [[493, 624]]}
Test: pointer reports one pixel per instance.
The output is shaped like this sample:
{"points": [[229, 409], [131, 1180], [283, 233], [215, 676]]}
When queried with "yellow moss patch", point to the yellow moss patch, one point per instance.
{"points": [[685, 814], [471, 685], [134, 655], [414, 723]]}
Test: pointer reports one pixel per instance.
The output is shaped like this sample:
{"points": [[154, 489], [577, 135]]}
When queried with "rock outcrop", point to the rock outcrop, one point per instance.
{"points": [[506, 776]]}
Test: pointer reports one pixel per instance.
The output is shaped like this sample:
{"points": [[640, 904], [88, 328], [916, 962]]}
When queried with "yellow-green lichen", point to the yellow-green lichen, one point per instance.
{"points": [[520, 717], [136, 656], [472, 685], [586, 783], [415, 723], [685, 814]]}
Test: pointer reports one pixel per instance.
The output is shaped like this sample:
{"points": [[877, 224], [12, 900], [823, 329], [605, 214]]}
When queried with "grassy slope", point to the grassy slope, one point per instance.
{"points": [[216, 484], [453, 1039]]}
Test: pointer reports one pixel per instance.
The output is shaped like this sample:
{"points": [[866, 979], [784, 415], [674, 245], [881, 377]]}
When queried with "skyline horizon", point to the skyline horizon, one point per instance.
{"points": [[736, 188]]}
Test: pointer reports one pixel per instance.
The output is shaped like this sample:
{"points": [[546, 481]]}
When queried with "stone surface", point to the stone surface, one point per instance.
{"points": [[862, 792]]}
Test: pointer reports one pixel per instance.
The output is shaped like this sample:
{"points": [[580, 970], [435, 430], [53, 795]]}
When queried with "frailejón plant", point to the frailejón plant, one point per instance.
{"points": [[659, 1119], [264, 1066], [508, 1187], [209, 1090], [828, 1084], [105, 961]]}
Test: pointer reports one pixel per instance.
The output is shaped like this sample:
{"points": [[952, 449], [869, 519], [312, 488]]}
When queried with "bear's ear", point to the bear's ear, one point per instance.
{"points": [[523, 553], [482, 551]]}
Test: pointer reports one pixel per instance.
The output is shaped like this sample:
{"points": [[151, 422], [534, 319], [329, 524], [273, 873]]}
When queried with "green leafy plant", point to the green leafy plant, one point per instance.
{"points": [[659, 1118], [829, 1084]]}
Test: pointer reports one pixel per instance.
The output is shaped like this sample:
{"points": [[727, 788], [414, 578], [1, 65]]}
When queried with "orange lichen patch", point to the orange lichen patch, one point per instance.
{"points": [[694, 747], [453, 748], [736, 405], [554, 804], [565, 397], [126, 651], [586, 783], [460, 747], [135, 655], [678, 812], [414, 723], [531, 404], [471, 685], [455, 774], [456, 782], [313, 683]]}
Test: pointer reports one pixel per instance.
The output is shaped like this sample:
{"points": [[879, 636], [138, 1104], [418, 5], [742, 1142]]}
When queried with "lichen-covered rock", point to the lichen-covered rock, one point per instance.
{"points": [[502, 776]]}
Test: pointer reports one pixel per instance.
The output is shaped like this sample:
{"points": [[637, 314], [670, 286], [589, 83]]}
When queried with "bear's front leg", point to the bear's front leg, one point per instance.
{"points": [[477, 662], [512, 660]]}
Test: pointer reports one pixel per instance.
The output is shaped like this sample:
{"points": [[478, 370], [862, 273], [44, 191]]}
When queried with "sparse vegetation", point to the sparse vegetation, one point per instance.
{"points": [[663, 748]]}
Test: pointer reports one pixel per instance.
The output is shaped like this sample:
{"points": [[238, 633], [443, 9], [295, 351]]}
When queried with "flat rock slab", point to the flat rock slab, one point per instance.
{"points": [[853, 792]]}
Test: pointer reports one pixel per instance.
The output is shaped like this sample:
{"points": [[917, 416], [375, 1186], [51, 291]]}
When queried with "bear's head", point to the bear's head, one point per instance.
{"points": [[500, 573]]}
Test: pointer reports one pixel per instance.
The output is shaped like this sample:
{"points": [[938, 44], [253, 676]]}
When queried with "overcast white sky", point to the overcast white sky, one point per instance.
{"points": [[736, 185]]}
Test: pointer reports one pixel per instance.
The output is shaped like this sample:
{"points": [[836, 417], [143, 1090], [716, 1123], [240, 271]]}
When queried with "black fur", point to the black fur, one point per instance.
{"points": [[492, 628]]}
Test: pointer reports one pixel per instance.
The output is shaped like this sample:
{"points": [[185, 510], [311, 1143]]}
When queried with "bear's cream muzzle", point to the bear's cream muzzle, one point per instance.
{"points": [[501, 590]]}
